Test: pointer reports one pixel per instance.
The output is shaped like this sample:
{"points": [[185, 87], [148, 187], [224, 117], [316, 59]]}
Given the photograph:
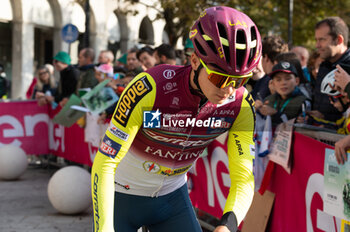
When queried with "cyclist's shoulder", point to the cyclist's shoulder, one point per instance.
{"points": [[165, 72]]}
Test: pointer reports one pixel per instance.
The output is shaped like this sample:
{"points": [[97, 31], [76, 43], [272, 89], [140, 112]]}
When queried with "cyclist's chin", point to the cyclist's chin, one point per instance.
{"points": [[218, 100]]}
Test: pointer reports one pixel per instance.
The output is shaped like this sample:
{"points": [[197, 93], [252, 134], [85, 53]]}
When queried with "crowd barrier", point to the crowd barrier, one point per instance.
{"points": [[298, 202]]}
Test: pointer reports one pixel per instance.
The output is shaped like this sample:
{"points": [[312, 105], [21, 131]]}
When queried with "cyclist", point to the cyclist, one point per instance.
{"points": [[166, 117]]}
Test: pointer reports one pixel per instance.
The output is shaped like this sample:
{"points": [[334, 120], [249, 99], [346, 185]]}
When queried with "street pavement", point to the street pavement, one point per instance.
{"points": [[25, 206]]}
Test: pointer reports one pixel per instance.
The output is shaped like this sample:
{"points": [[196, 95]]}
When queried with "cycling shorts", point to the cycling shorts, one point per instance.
{"points": [[172, 212]]}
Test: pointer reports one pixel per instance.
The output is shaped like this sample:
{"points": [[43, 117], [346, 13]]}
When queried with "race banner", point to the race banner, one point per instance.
{"points": [[298, 202], [26, 125]]}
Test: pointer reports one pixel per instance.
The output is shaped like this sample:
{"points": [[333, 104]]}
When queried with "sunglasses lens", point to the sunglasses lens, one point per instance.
{"points": [[218, 80], [223, 81]]}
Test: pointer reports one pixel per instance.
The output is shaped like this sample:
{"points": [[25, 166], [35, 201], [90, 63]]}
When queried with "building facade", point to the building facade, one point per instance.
{"points": [[31, 32]]}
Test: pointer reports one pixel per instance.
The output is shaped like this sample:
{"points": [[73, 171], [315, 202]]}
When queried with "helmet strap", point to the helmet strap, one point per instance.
{"points": [[195, 80]]}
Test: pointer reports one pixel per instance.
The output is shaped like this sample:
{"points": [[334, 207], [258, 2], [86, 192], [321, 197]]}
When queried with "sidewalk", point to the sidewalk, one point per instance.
{"points": [[25, 207]]}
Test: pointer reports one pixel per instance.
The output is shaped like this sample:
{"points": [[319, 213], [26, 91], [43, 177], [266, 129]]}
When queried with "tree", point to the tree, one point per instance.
{"points": [[270, 16]]}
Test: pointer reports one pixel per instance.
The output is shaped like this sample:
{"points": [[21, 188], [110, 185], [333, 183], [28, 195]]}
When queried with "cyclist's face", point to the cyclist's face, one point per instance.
{"points": [[325, 44]]}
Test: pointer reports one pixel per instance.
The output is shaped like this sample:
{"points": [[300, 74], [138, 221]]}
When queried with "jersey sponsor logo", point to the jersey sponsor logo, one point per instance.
{"points": [[226, 124], [174, 155], [151, 119], [224, 112], [183, 142], [130, 98], [238, 144], [151, 167], [108, 147], [118, 132], [175, 101], [126, 187], [155, 168], [95, 201], [168, 74], [170, 87]]}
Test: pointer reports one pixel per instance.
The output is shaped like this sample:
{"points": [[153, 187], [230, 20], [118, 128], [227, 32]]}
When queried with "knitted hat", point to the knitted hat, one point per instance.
{"points": [[62, 57]]}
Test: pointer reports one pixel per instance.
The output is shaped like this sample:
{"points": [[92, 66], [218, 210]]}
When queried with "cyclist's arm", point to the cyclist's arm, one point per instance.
{"points": [[119, 136], [241, 149]]}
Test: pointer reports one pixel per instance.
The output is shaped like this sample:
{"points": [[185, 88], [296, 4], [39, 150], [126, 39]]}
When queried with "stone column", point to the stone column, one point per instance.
{"points": [[22, 58]]}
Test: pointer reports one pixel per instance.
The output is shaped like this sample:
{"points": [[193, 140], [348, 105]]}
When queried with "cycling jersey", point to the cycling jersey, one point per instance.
{"points": [[158, 130]]}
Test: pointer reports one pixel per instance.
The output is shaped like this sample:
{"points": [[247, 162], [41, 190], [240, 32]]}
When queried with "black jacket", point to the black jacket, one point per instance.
{"points": [[68, 83], [321, 101], [261, 88]]}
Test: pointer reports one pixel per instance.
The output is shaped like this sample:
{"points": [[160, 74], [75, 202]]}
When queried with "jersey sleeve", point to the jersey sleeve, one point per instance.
{"points": [[241, 152], [126, 121]]}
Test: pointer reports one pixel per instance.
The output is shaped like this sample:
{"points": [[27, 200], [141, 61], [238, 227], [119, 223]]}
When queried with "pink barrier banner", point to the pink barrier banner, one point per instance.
{"points": [[298, 202], [69, 143], [26, 125], [299, 196]]}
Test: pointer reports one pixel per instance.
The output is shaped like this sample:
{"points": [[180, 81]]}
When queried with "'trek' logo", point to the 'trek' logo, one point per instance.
{"points": [[130, 99]]}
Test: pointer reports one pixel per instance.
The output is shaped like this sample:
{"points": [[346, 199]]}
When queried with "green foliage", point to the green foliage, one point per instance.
{"points": [[270, 16]]}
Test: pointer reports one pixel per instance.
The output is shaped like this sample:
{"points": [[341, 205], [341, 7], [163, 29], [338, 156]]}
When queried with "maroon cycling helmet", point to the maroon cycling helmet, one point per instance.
{"points": [[227, 40]]}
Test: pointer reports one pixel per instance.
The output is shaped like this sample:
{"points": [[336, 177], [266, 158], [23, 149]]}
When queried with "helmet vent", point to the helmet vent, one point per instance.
{"points": [[212, 46], [200, 48], [200, 28], [240, 53], [252, 49], [217, 68], [224, 41]]}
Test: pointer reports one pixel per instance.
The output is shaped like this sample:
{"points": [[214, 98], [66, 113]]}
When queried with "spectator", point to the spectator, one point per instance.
{"points": [[189, 49], [87, 69], [303, 55], [120, 64], [145, 56], [304, 85], [258, 73], [46, 83], [331, 42], [287, 102], [165, 54], [3, 82], [132, 63], [271, 47], [313, 65], [68, 81], [106, 57]]}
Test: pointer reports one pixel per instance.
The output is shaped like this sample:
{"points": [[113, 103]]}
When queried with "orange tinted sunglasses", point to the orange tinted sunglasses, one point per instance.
{"points": [[221, 80]]}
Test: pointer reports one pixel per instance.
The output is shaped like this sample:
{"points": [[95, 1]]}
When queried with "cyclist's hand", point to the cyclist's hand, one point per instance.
{"points": [[221, 229]]}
